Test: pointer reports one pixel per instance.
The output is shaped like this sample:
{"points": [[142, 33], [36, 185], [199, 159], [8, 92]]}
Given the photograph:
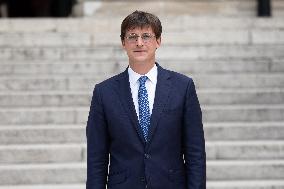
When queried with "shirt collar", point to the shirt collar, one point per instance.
{"points": [[152, 75]]}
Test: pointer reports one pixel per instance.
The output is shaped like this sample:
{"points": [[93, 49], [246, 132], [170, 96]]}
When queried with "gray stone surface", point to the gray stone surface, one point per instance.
{"points": [[240, 131], [29, 53], [220, 65], [268, 36], [33, 84], [240, 97], [240, 184], [196, 8], [45, 99], [245, 170], [197, 37], [68, 67], [27, 154], [244, 150], [39, 116], [254, 113], [46, 186], [44, 39], [278, 65], [240, 80], [48, 134], [222, 51], [43, 173]]}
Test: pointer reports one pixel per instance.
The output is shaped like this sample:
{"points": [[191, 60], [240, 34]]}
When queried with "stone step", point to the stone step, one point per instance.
{"points": [[46, 99], [254, 184], [85, 83], [166, 52], [42, 153], [69, 67], [241, 113], [48, 186], [64, 153], [214, 8], [244, 131], [244, 150], [110, 24], [77, 115], [245, 170], [71, 173], [240, 184], [190, 37], [45, 39], [76, 172], [221, 51], [42, 134], [64, 134], [240, 97], [50, 68], [83, 99], [220, 66]]}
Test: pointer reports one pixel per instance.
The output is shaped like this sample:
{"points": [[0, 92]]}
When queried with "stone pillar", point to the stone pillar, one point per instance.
{"points": [[264, 8], [3, 9], [77, 10], [42, 8]]}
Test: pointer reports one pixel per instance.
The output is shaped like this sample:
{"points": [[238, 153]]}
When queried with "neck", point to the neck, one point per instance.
{"points": [[141, 68]]}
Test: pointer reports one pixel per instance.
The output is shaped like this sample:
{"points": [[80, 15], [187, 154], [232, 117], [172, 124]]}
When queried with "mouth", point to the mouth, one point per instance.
{"points": [[139, 51]]}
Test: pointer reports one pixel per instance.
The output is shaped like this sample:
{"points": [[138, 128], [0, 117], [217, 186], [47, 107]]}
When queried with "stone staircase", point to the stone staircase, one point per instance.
{"points": [[48, 68]]}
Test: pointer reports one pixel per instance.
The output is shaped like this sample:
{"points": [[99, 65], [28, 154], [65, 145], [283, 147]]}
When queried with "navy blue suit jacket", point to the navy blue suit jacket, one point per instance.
{"points": [[173, 158]]}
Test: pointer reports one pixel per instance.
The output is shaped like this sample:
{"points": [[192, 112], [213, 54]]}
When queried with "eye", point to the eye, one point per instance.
{"points": [[146, 36], [132, 37]]}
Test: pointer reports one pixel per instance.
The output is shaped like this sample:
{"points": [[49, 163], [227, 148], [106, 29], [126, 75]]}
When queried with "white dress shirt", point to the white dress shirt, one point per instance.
{"points": [[150, 86]]}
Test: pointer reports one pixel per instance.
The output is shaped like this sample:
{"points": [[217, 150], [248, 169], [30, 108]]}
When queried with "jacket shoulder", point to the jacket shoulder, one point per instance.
{"points": [[178, 76]]}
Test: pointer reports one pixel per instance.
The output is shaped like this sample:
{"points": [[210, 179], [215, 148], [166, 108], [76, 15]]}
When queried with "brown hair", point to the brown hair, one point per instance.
{"points": [[141, 19]]}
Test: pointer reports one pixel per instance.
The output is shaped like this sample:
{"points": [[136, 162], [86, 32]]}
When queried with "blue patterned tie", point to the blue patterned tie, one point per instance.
{"points": [[144, 110]]}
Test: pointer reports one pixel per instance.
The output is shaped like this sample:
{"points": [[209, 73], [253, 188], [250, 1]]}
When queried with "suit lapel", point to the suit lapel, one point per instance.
{"points": [[127, 102], [161, 98]]}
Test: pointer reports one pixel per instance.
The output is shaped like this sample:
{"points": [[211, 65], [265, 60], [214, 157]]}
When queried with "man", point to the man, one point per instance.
{"points": [[145, 123]]}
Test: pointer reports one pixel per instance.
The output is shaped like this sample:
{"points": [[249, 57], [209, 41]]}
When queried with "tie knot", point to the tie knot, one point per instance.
{"points": [[142, 80]]}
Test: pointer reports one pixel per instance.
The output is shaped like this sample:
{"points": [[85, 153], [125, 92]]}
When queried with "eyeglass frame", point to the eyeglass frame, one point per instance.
{"points": [[143, 35]]}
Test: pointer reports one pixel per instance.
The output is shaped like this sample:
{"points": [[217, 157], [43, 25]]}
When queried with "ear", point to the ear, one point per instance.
{"points": [[123, 44], [158, 42]]}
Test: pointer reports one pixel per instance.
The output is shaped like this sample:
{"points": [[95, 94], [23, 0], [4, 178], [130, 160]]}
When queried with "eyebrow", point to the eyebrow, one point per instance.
{"points": [[141, 33]]}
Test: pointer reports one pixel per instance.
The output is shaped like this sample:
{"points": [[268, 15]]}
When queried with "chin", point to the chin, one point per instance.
{"points": [[140, 60]]}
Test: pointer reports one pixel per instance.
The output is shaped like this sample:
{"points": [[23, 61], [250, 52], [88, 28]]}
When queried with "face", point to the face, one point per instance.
{"points": [[141, 49]]}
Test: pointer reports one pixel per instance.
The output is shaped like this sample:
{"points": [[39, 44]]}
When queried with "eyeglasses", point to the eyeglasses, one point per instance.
{"points": [[133, 37]]}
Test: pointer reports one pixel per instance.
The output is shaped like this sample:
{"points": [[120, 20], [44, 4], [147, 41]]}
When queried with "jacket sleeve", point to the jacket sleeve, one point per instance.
{"points": [[97, 144], [193, 141]]}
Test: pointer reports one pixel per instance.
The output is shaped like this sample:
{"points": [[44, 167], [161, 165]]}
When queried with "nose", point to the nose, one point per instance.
{"points": [[139, 42]]}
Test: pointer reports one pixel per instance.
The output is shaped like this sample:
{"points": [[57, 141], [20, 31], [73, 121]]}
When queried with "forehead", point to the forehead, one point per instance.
{"points": [[137, 30]]}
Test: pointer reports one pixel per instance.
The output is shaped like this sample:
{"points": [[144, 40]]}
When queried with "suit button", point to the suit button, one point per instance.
{"points": [[142, 179], [147, 156]]}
